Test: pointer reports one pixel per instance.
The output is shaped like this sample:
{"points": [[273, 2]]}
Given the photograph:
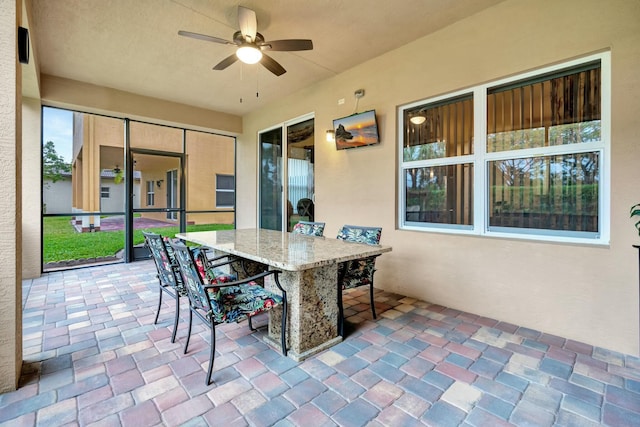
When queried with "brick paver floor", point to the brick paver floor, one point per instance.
{"points": [[93, 357]]}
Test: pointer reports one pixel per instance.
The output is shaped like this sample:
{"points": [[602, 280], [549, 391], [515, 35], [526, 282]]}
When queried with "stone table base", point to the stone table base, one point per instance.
{"points": [[312, 323]]}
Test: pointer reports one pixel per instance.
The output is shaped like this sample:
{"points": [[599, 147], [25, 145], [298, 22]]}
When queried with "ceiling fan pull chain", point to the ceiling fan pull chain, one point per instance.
{"points": [[241, 78]]}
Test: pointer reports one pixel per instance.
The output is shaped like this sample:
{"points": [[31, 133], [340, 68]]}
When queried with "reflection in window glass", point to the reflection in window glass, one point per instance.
{"points": [[554, 193], [271, 179], [563, 108], [440, 194], [439, 130]]}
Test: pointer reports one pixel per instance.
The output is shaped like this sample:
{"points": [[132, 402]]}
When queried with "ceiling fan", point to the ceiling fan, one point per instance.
{"points": [[251, 44]]}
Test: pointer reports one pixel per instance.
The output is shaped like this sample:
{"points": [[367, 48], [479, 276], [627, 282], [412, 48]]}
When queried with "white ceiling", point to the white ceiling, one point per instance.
{"points": [[133, 45]]}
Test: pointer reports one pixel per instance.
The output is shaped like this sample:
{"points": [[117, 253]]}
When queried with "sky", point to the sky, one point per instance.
{"points": [[57, 126]]}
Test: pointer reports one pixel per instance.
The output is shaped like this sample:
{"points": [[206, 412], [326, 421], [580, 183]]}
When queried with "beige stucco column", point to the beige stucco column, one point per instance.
{"points": [[32, 185], [10, 202], [90, 184]]}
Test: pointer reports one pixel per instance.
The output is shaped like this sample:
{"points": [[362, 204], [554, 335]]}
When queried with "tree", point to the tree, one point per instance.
{"points": [[53, 164]]}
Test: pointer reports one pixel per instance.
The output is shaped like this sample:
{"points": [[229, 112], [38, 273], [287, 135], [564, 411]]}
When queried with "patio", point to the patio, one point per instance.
{"points": [[94, 357]]}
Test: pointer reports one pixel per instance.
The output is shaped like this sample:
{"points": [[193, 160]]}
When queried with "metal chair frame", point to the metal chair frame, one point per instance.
{"points": [[200, 302], [168, 275], [347, 267]]}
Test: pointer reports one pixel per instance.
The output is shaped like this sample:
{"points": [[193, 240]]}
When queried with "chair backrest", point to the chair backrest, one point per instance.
{"points": [[305, 208], [165, 262], [191, 277], [358, 272], [309, 228], [359, 234]]}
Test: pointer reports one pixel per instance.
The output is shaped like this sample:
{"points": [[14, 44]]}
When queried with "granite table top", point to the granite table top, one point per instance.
{"points": [[286, 251]]}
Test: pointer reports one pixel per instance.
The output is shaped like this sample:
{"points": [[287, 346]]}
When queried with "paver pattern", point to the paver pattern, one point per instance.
{"points": [[93, 357]]}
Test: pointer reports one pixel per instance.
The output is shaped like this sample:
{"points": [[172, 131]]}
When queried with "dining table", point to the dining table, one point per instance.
{"points": [[308, 268]]}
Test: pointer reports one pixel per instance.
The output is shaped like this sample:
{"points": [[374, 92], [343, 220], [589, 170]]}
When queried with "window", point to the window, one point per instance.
{"points": [[104, 192], [525, 156], [438, 152], [150, 193], [225, 191]]}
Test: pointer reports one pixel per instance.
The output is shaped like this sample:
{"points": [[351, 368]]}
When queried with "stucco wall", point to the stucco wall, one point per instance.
{"points": [[580, 292], [31, 203], [10, 202], [71, 94]]}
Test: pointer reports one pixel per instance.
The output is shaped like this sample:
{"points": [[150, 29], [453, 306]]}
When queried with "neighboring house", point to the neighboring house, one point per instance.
{"points": [[57, 196], [112, 194], [209, 160]]}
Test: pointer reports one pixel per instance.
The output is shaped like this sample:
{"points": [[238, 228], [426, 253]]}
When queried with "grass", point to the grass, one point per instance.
{"points": [[63, 243]]}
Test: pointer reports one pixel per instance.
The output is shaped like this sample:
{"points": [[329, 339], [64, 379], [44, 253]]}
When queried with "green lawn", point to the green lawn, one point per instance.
{"points": [[63, 243]]}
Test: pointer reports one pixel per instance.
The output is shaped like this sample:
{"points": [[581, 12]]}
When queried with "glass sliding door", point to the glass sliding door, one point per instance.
{"points": [[270, 202], [300, 173], [287, 188]]}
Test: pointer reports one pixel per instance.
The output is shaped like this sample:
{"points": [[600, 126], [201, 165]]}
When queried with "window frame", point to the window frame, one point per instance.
{"points": [[105, 192], [225, 190], [481, 160]]}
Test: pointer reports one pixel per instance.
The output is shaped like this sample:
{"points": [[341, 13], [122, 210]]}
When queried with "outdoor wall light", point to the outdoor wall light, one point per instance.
{"points": [[331, 136], [159, 182]]}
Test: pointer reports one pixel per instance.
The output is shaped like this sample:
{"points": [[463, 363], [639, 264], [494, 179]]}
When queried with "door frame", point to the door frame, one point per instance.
{"points": [[133, 253], [284, 188]]}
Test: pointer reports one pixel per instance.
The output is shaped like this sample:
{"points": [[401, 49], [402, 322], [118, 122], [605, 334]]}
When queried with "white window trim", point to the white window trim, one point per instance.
{"points": [[480, 158], [150, 193]]}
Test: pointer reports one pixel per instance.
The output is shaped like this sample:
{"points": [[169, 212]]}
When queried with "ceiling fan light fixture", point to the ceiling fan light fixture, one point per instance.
{"points": [[249, 54]]}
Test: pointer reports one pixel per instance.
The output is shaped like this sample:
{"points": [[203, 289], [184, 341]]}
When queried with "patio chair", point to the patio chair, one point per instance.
{"points": [[305, 208], [358, 272], [218, 303], [309, 228], [169, 278]]}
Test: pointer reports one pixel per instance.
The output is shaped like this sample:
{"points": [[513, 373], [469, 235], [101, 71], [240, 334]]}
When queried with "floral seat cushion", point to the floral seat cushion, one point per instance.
{"points": [[309, 228], [358, 272], [236, 303], [209, 275], [368, 235]]}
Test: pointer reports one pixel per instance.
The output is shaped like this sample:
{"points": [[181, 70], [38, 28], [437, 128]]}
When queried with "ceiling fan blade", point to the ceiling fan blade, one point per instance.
{"points": [[289, 45], [272, 65], [248, 23], [226, 62], [204, 37]]}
